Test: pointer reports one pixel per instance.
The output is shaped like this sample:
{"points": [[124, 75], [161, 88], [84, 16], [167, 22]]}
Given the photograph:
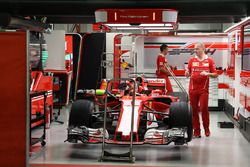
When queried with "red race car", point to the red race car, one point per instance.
{"points": [[138, 112]]}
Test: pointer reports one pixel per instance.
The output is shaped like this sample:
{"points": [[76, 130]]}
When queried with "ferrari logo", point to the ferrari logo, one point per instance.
{"points": [[195, 64], [205, 64]]}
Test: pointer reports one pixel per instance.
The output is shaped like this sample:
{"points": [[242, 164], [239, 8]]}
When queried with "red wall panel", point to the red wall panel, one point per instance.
{"points": [[13, 99]]}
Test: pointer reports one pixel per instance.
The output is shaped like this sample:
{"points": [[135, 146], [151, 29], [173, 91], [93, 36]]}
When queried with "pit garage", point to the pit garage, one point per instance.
{"points": [[80, 86]]}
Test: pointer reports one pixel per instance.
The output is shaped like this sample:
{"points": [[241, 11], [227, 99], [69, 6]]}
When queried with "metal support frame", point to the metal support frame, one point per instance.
{"points": [[107, 156]]}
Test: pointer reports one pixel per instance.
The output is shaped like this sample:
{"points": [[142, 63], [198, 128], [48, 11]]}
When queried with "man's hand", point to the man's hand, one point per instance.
{"points": [[204, 73], [187, 74]]}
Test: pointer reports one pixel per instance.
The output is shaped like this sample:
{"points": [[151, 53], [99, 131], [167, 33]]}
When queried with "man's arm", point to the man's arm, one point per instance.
{"points": [[210, 74], [213, 75], [188, 69], [164, 70], [213, 72], [187, 73]]}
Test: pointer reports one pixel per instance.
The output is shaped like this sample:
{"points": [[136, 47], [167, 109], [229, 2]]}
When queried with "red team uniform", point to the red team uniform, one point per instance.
{"points": [[198, 89], [161, 60]]}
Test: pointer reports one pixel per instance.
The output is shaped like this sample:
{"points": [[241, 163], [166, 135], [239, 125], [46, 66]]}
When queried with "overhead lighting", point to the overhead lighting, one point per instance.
{"points": [[142, 28], [126, 28], [156, 25], [140, 25], [117, 25], [158, 30]]}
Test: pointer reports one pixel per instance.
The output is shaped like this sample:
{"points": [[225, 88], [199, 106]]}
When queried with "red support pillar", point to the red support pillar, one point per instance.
{"points": [[13, 99]]}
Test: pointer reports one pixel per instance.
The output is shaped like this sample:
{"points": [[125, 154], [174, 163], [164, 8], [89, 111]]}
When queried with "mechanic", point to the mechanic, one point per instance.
{"points": [[162, 71], [200, 68]]}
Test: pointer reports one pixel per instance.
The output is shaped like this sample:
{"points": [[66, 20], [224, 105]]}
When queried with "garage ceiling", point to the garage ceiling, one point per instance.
{"points": [[82, 11]]}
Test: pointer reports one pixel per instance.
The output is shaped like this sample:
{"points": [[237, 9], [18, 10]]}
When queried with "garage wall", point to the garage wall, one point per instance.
{"points": [[13, 99]]}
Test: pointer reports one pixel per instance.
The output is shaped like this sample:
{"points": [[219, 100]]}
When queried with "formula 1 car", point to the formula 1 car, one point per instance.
{"points": [[136, 113]]}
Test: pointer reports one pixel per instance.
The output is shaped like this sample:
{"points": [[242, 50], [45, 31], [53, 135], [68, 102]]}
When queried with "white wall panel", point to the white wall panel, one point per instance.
{"points": [[56, 50]]}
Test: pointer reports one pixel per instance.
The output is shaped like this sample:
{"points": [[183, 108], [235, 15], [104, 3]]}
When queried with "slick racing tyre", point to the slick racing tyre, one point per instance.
{"points": [[181, 95], [81, 113], [181, 116]]}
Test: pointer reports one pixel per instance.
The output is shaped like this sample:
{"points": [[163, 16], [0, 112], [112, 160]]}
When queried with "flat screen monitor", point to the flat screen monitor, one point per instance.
{"points": [[38, 53], [246, 49], [34, 55]]}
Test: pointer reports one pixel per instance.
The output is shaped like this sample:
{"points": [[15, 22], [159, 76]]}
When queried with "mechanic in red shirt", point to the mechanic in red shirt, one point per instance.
{"points": [[200, 68], [162, 71]]}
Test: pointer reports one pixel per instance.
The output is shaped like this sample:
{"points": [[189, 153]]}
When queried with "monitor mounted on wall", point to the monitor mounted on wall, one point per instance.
{"points": [[246, 48]]}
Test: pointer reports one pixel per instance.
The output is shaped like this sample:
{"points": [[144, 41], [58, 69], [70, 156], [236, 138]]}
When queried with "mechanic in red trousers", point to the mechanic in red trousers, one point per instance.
{"points": [[162, 71], [200, 68]]}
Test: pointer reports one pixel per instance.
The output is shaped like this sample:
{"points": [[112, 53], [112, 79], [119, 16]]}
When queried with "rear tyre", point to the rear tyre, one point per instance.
{"points": [[81, 113], [181, 116]]}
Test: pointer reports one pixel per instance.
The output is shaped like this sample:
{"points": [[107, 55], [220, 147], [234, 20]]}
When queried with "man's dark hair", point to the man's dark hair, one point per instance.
{"points": [[163, 46]]}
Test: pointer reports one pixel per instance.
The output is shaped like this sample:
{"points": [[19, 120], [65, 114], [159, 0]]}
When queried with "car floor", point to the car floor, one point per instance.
{"points": [[224, 148]]}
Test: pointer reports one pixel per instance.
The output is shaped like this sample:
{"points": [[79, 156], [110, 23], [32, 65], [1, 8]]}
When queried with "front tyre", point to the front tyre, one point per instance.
{"points": [[181, 116], [81, 113]]}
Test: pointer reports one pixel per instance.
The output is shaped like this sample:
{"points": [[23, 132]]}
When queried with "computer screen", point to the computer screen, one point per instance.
{"points": [[246, 49], [38, 53]]}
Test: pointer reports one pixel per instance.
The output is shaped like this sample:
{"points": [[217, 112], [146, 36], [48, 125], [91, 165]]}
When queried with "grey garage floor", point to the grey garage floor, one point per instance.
{"points": [[224, 148]]}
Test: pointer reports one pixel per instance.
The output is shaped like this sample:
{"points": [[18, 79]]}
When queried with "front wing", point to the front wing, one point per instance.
{"points": [[152, 136]]}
